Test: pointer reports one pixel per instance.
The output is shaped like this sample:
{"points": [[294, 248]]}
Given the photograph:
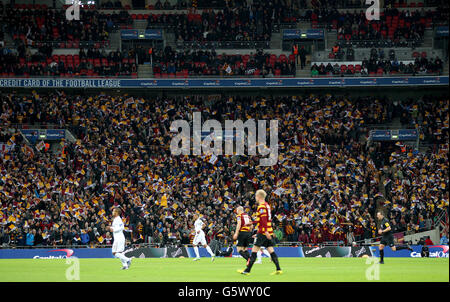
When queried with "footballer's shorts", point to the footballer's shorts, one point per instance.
{"points": [[244, 239], [387, 240], [261, 240], [118, 245], [199, 238]]}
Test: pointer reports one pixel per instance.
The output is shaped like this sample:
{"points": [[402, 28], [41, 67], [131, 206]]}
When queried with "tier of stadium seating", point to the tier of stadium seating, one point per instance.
{"points": [[69, 65], [326, 179], [400, 28], [49, 25], [260, 64], [380, 68], [375, 66], [341, 4]]}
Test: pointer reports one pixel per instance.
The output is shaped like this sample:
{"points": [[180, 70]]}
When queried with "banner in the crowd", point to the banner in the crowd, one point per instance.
{"points": [[147, 252], [328, 251], [134, 34], [5, 147], [282, 251], [55, 253], [153, 34], [442, 31], [46, 134], [436, 251], [222, 82], [397, 135], [337, 251], [129, 34], [293, 34]]}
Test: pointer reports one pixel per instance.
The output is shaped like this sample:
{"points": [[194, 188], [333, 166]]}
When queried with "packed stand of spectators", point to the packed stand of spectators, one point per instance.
{"points": [[165, 5], [91, 62], [396, 28], [169, 62], [117, 4], [240, 23], [380, 67], [50, 25], [340, 4], [325, 186]]}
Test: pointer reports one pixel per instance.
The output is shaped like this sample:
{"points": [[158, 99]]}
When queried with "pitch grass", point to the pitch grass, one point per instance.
{"points": [[224, 270]]}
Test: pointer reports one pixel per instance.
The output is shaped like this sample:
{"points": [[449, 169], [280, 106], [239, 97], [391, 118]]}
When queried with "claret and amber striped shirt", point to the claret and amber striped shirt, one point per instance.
{"points": [[245, 222], [264, 219]]}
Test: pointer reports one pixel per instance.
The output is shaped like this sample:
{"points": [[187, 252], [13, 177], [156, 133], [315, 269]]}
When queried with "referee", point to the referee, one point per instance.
{"points": [[387, 238]]}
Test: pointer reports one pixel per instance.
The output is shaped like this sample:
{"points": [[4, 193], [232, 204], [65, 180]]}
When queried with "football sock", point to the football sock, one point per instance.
{"points": [[210, 251], [266, 252], [250, 262], [244, 254], [196, 252], [275, 260], [381, 255], [259, 255], [122, 258]]}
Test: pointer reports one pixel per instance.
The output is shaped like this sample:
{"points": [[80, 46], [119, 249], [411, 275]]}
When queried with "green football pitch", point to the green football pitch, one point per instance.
{"points": [[225, 270]]}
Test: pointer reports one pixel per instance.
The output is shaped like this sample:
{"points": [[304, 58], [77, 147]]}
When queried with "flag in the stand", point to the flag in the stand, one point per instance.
{"points": [[213, 159], [40, 145], [164, 201]]}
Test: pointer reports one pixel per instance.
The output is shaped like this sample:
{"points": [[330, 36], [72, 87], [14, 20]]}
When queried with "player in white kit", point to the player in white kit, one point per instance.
{"points": [[200, 238], [259, 255], [119, 239]]}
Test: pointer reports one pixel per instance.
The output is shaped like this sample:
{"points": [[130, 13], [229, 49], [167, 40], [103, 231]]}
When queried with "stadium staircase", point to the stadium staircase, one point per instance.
{"points": [[306, 71], [303, 25], [445, 68], [169, 39], [331, 38], [115, 41], [140, 24], [9, 42], [276, 40], [428, 38], [145, 71]]}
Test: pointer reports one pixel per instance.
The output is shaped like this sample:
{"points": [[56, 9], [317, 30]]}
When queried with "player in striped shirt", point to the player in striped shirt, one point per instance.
{"points": [[264, 234], [243, 233]]}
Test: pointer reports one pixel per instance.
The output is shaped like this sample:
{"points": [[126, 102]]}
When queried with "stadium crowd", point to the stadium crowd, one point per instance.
{"points": [[420, 66], [46, 25], [93, 62], [203, 62], [240, 23], [396, 28], [326, 186]]}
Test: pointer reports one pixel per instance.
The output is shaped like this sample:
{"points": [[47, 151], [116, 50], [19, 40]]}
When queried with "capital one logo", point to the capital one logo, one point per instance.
{"points": [[373, 12], [73, 11], [234, 135]]}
